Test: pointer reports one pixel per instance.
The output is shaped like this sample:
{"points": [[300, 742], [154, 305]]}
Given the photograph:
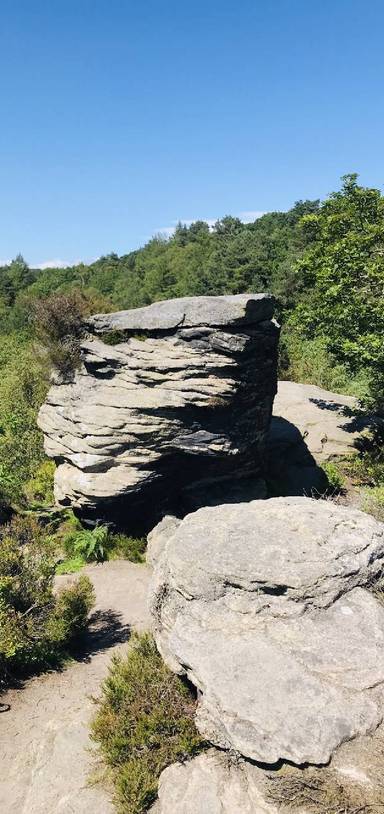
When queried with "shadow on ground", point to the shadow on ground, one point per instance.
{"points": [[291, 469], [105, 630]]}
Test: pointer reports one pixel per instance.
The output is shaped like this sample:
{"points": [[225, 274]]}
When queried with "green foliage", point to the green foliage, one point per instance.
{"points": [[71, 565], [145, 722], [92, 544], [309, 361], [127, 548], [86, 545], [343, 278], [39, 489], [23, 386], [36, 627], [373, 502], [335, 476]]}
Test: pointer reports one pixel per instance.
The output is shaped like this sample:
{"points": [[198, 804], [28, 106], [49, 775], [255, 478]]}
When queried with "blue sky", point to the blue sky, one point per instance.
{"points": [[119, 117]]}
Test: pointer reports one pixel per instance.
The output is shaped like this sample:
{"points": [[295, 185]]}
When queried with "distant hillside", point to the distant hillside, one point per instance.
{"points": [[233, 257]]}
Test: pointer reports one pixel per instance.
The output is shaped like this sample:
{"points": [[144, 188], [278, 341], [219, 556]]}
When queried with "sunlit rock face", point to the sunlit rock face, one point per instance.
{"points": [[173, 416], [264, 607]]}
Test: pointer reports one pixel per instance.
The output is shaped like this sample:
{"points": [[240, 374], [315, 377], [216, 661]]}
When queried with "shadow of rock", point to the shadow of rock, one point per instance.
{"points": [[356, 420], [291, 469]]}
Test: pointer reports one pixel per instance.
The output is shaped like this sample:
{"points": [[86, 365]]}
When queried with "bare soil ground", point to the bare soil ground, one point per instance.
{"points": [[45, 751]]}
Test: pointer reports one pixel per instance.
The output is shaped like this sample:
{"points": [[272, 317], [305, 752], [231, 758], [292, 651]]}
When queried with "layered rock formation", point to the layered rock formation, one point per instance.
{"points": [[310, 426], [264, 607], [162, 420]]}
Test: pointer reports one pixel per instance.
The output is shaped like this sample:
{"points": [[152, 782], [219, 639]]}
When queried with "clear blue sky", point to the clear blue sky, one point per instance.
{"points": [[118, 117]]}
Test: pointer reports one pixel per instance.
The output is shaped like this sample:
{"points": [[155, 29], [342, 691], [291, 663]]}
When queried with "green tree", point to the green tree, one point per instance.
{"points": [[342, 272]]}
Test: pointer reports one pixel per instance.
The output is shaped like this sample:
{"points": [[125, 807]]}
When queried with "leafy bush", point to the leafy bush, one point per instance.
{"points": [[39, 489], [58, 322], [335, 476], [127, 548], [35, 625], [23, 386], [373, 502], [310, 362], [86, 545], [143, 724], [342, 270], [92, 544]]}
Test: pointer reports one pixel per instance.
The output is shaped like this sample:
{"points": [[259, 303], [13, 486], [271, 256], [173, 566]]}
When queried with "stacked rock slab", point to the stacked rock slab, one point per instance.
{"points": [[264, 607], [180, 404]]}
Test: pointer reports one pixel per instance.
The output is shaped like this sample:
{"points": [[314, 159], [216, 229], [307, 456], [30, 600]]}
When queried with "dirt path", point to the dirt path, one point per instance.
{"points": [[44, 757]]}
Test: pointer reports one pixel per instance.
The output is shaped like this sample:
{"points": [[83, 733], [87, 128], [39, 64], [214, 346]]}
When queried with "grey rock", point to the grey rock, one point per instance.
{"points": [[188, 312], [158, 537], [216, 782], [262, 605], [329, 423], [149, 427], [212, 783]]}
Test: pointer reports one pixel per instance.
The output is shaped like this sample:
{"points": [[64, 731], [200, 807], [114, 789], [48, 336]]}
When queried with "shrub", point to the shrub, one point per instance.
{"points": [[373, 502], [98, 544], [336, 479], [144, 723], [23, 386], [128, 548], [92, 544], [39, 489], [35, 625], [58, 322], [308, 361]]}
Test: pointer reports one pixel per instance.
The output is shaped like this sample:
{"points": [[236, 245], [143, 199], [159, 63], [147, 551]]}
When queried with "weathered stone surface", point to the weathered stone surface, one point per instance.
{"points": [[328, 422], [213, 784], [262, 606], [218, 783], [188, 312], [158, 423]]}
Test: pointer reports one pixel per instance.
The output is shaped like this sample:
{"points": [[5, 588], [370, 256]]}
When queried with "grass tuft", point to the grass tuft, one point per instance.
{"points": [[144, 722]]}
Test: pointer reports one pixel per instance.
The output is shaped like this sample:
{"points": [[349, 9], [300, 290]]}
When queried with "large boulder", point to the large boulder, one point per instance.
{"points": [[310, 426], [329, 423], [166, 417], [264, 607]]}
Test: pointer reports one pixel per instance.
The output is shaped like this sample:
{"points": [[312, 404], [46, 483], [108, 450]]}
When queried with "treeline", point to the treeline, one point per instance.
{"points": [[324, 262], [232, 257]]}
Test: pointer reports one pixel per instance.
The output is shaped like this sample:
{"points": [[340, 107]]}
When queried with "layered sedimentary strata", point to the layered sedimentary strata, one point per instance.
{"points": [[168, 415]]}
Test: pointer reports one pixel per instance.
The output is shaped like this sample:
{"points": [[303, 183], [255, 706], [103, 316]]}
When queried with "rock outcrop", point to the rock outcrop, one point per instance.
{"points": [[310, 426], [213, 784], [329, 423], [166, 419], [264, 607], [216, 782]]}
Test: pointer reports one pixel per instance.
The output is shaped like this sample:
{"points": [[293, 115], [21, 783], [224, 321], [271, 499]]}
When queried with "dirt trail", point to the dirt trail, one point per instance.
{"points": [[44, 744]]}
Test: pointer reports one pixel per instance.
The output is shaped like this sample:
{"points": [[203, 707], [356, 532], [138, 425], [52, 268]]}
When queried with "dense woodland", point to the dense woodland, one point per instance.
{"points": [[324, 262]]}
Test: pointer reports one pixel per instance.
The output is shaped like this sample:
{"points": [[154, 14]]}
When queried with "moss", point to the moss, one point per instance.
{"points": [[144, 722]]}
